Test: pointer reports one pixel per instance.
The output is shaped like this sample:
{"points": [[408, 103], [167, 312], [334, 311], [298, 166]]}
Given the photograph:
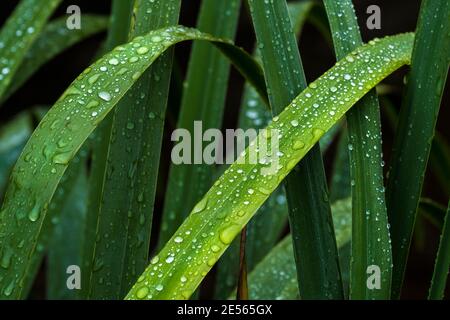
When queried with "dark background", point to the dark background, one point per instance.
{"points": [[397, 16]]}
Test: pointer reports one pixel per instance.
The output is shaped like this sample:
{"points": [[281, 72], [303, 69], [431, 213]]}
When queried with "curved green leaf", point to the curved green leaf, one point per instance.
{"points": [[203, 100], [214, 222], [306, 187], [18, 34], [125, 211], [63, 131], [54, 39], [265, 228]]}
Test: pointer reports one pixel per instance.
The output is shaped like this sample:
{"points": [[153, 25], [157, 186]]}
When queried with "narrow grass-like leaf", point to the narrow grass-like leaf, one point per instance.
{"points": [[214, 222], [433, 212], [129, 179], [62, 132], [64, 249], [242, 288], [370, 239], [54, 39], [275, 276], [56, 208], [18, 34], [416, 126], [442, 265], [13, 137], [340, 180], [118, 31], [440, 150], [306, 188], [203, 100], [440, 161], [265, 228]]}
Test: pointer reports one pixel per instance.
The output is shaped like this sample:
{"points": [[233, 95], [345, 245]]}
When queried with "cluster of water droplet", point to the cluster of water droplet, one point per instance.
{"points": [[59, 136], [214, 222]]}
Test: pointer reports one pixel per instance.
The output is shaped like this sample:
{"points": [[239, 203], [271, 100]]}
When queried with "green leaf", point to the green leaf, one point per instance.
{"points": [[178, 269], [54, 39], [433, 212], [275, 276], [264, 230], [340, 180], [416, 128], [18, 34], [58, 206], [203, 100], [306, 188], [440, 161], [440, 150], [13, 137], [119, 28], [63, 131], [370, 235], [442, 265], [65, 245], [129, 179]]}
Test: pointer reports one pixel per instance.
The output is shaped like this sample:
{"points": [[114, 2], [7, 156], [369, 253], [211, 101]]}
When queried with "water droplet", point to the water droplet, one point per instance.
{"points": [[227, 235], [264, 191], [35, 213], [211, 262], [62, 158], [92, 104], [298, 145], [178, 239], [142, 292], [5, 262], [155, 260], [199, 207], [122, 71], [156, 39], [94, 78], [104, 96], [142, 50], [113, 61], [9, 289]]}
